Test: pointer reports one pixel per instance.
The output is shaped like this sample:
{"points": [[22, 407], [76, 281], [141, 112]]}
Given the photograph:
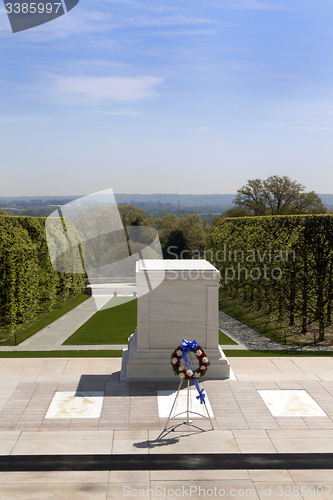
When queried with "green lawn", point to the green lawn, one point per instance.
{"points": [[59, 309], [113, 325], [225, 340], [62, 354], [270, 354], [110, 325]]}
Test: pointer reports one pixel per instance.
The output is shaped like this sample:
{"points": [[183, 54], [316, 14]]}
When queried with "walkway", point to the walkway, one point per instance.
{"points": [[51, 337], [246, 337]]}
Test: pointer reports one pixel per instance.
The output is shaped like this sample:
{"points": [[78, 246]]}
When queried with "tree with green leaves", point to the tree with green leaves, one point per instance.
{"points": [[194, 229], [232, 212], [176, 246], [277, 196], [130, 215]]}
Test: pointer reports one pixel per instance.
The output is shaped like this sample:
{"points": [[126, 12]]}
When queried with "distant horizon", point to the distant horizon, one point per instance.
{"points": [[219, 202], [133, 194], [120, 194]]}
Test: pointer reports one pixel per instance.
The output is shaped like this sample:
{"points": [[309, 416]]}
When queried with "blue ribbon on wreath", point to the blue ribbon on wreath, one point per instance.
{"points": [[186, 347]]}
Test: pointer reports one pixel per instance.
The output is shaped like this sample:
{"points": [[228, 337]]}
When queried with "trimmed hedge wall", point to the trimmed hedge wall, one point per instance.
{"points": [[28, 282], [280, 263]]}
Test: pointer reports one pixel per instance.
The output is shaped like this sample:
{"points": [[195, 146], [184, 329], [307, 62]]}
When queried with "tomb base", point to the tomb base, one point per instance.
{"points": [[147, 364]]}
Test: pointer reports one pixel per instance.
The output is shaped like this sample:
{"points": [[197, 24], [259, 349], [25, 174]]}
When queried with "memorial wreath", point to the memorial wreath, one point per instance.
{"points": [[179, 354]]}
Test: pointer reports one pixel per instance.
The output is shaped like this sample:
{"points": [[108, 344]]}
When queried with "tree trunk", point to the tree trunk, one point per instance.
{"points": [[329, 296], [292, 306], [280, 307], [320, 312], [305, 294], [259, 299], [292, 297]]}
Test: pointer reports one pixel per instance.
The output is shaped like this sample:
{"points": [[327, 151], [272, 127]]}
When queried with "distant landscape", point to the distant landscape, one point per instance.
{"points": [[154, 205], [173, 198], [205, 205]]}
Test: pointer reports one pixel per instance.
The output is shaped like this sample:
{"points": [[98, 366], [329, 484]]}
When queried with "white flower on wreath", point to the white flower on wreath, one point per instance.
{"points": [[174, 361], [198, 352], [179, 352], [205, 359], [189, 373], [197, 374], [181, 375]]}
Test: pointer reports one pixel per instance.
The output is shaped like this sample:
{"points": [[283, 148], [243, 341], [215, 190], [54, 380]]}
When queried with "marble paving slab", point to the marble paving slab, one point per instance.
{"points": [[165, 401], [291, 403], [84, 404]]}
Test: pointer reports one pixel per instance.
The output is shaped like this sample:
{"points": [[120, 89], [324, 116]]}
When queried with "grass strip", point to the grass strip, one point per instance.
{"points": [[288, 354], [225, 340], [110, 325], [62, 354], [59, 310]]}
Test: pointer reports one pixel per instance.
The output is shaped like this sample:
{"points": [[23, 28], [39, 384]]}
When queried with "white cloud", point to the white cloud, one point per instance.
{"points": [[178, 20], [82, 21], [123, 112], [94, 21], [149, 7], [250, 5], [189, 5], [186, 33], [74, 22], [88, 89]]}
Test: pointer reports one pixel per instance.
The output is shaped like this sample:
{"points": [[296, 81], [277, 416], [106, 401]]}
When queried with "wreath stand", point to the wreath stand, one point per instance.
{"points": [[187, 420]]}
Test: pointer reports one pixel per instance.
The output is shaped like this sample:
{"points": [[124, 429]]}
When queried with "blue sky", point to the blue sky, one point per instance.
{"points": [[184, 96]]}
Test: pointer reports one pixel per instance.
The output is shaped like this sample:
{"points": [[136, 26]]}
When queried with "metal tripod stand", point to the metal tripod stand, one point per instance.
{"points": [[187, 420]]}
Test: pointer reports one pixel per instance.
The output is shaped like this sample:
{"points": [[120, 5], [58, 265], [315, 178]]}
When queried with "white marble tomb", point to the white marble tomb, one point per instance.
{"points": [[183, 306]]}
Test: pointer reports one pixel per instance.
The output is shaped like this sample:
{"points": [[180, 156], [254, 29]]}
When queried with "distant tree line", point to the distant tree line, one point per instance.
{"points": [[274, 196], [181, 237]]}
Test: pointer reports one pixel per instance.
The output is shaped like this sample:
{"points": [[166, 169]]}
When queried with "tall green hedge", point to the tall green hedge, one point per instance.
{"points": [[280, 263], [28, 282]]}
